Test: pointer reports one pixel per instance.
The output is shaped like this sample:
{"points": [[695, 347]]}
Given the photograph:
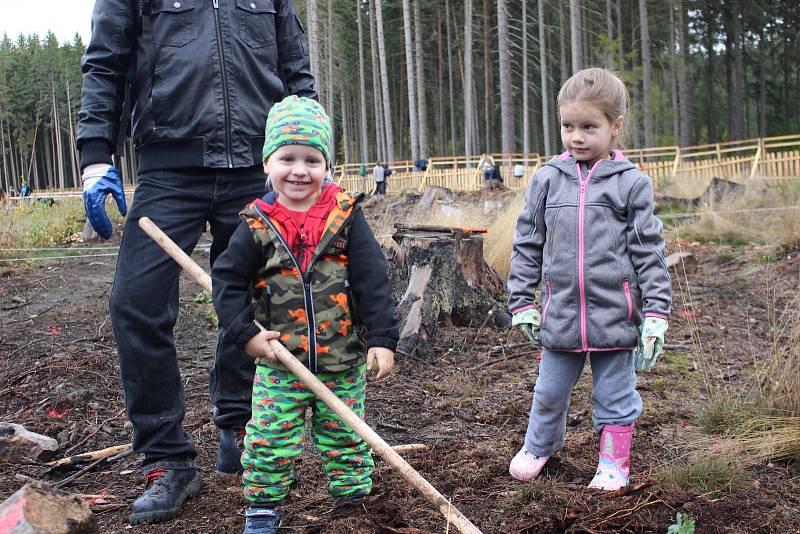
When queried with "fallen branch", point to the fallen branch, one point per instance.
{"points": [[91, 456], [86, 469], [9, 308], [626, 490], [390, 426], [69, 479], [452, 514]]}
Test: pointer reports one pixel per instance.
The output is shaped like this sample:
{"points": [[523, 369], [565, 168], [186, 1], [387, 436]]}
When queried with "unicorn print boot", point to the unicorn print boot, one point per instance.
{"points": [[615, 452]]}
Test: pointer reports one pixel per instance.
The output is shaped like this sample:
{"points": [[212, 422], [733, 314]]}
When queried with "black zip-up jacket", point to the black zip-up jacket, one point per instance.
{"points": [[253, 253], [203, 75]]}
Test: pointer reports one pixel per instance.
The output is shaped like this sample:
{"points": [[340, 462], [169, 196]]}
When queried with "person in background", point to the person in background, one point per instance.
{"points": [[387, 172], [379, 176], [496, 176], [200, 78], [362, 174], [304, 263], [486, 164], [588, 235], [519, 171]]}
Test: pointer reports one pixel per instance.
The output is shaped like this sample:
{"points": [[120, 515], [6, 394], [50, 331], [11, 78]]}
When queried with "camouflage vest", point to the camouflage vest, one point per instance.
{"points": [[314, 311]]}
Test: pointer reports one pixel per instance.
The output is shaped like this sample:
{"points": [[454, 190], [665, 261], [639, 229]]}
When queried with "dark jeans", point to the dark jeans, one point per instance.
{"points": [[144, 307], [380, 187]]}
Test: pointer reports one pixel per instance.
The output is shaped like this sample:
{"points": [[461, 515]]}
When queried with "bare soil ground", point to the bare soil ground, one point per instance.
{"points": [[59, 377]]}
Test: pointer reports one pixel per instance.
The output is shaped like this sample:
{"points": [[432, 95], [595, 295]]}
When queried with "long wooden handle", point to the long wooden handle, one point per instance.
{"points": [[450, 512]]}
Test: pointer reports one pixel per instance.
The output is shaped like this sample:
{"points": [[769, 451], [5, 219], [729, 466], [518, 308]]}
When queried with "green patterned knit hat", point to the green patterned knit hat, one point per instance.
{"points": [[298, 121]]}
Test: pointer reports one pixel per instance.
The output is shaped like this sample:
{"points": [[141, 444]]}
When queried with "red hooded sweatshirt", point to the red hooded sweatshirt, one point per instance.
{"points": [[302, 230]]}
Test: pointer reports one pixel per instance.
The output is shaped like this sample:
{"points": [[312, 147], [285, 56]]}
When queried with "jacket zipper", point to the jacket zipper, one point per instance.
{"points": [[582, 247], [626, 285], [549, 296], [225, 97], [308, 293], [308, 296]]}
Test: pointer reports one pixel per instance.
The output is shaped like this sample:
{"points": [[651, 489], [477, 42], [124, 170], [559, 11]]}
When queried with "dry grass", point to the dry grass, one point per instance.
{"points": [[759, 420], [750, 217], [708, 475], [501, 236], [754, 440], [39, 225]]}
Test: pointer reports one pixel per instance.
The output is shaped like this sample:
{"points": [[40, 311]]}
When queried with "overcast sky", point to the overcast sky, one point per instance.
{"points": [[64, 18]]}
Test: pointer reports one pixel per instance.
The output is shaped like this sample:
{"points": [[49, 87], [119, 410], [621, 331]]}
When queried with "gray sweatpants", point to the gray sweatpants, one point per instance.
{"points": [[615, 400]]}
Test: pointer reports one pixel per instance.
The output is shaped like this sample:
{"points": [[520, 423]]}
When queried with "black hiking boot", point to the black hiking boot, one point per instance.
{"points": [[166, 490], [229, 454], [259, 520]]}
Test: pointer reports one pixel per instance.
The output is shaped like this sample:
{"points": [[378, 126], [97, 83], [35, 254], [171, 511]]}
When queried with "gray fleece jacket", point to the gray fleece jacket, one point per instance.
{"points": [[593, 240]]}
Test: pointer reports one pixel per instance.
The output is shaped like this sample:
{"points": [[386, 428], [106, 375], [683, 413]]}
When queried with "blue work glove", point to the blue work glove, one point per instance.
{"points": [[651, 339], [99, 180], [529, 321]]}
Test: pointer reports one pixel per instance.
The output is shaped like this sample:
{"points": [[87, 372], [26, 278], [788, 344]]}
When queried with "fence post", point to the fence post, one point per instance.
{"points": [[757, 159], [425, 176], [676, 163]]}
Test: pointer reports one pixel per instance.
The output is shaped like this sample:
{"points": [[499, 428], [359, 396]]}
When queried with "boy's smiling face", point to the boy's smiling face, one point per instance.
{"points": [[296, 173]]}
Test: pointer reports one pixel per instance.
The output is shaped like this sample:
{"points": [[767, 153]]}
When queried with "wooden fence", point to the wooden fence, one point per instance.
{"points": [[682, 172]]}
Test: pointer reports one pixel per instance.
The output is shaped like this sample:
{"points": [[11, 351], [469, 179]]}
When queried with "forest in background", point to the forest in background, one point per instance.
{"points": [[410, 79]]}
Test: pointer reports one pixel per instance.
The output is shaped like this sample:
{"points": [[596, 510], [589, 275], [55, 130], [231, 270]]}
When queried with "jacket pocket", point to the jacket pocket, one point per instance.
{"points": [[626, 286], [172, 22], [256, 22], [549, 298]]}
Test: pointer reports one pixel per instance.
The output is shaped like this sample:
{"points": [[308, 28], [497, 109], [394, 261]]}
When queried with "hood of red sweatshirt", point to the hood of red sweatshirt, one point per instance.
{"points": [[302, 231]]}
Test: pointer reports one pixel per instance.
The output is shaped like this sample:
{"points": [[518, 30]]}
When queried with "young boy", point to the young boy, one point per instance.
{"points": [[304, 263]]}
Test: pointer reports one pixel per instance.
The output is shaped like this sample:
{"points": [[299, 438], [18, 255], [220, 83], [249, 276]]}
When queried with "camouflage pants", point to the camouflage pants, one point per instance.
{"points": [[275, 434]]}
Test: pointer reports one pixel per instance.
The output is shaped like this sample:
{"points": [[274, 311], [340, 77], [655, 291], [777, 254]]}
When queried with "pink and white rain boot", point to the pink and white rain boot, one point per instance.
{"points": [[615, 453], [526, 465]]}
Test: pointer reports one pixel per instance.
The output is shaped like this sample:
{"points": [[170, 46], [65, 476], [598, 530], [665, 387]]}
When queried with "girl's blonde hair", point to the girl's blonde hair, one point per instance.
{"points": [[602, 89]]}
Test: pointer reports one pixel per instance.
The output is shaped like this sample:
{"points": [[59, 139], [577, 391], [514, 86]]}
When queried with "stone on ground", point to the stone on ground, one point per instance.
{"points": [[39, 509]]}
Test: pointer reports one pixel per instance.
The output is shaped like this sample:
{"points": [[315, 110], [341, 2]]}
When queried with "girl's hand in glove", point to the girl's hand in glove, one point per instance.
{"points": [[651, 339], [529, 321]]}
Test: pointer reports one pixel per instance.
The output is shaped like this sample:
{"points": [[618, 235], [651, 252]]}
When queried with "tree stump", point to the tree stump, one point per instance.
{"points": [[39, 509], [439, 276]]}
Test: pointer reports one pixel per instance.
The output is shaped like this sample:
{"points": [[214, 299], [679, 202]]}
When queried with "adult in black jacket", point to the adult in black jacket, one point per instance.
{"points": [[200, 77]]}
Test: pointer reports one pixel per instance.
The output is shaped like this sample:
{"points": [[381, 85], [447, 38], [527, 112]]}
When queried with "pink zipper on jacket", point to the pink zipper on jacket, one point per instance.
{"points": [[549, 297], [627, 287], [582, 246]]}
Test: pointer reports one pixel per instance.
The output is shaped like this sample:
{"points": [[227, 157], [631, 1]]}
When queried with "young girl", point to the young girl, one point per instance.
{"points": [[304, 263], [587, 233]]}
